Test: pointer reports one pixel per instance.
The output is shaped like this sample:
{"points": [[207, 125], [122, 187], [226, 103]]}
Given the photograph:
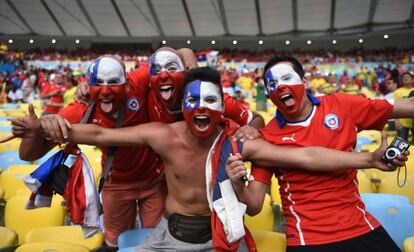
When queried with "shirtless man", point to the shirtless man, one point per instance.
{"points": [[189, 150]]}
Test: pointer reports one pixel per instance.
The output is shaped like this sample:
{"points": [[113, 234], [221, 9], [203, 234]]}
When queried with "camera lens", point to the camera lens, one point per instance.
{"points": [[391, 153]]}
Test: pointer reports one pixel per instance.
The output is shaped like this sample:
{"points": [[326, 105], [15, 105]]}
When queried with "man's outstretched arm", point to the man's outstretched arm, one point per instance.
{"points": [[149, 134], [315, 158], [403, 108]]}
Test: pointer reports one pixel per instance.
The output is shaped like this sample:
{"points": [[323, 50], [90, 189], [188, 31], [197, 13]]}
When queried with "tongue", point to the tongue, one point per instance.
{"points": [[106, 107], [166, 95], [202, 123], [289, 102]]}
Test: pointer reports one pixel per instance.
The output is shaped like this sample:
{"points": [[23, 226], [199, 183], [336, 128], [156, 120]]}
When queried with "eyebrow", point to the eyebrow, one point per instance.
{"points": [[286, 75]]}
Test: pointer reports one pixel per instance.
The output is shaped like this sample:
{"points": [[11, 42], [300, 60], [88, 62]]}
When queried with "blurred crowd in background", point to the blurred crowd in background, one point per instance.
{"points": [[52, 75]]}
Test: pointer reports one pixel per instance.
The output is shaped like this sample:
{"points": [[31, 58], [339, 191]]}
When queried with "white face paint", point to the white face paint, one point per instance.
{"points": [[203, 94], [166, 61], [106, 71], [282, 73]]}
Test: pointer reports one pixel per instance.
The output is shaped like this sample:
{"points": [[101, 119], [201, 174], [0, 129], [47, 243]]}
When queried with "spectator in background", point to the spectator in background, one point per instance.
{"points": [[15, 95], [404, 126], [317, 82], [351, 87], [261, 96], [53, 93], [246, 83], [27, 89], [344, 78], [239, 96]]}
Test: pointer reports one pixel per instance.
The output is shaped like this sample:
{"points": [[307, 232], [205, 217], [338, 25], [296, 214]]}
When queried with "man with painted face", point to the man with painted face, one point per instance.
{"points": [[167, 70], [135, 176], [323, 211], [193, 152]]}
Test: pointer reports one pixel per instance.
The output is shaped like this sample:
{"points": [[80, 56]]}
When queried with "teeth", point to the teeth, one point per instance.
{"points": [[285, 96], [201, 117], [165, 88]]}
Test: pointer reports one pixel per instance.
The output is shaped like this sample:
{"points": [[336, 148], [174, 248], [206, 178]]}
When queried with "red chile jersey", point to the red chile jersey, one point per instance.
{"points": [[322, 207], [232, 110], [129, 163]]}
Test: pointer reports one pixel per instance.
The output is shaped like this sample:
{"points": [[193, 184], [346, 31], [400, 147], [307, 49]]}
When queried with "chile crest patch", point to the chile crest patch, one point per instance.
{"points": [[331, 121], [133, 104]]}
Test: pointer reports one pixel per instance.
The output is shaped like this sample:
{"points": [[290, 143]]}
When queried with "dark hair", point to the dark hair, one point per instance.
{"points": [[297, 66], [203, 74]]}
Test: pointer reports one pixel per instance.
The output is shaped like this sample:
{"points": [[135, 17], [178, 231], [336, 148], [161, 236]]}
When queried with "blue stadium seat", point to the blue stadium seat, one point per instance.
{"points": [[134, 237], [5, 118], [361, 141], [5, 128], [374, 198], [396, 218], [10, 106], [8, 158]]}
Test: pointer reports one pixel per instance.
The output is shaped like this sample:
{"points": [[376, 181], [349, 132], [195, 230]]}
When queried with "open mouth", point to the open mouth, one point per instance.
{"points": [[106, 105], [166, 91], [202, 122], [288, 100]]}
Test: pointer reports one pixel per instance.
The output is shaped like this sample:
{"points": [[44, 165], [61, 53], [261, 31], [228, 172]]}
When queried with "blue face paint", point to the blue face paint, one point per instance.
{"points": [[270, 82], [93, 72], [192, 92]]}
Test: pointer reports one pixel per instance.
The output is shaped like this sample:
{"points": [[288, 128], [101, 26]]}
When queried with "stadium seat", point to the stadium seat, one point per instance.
{"points": [[5, 128], [274, 192], [1, 193], [408, 245], [51, 246], [8, 158], [127, 249], [361, 141], [374, 198], [364, 183], [7, 237], [68, 234], [9, 106], [5, 118], [12, 180], [12, 145], [133, 237], [263, 220], [267, 241], [397, 219], [390, 185], [23, 220]]}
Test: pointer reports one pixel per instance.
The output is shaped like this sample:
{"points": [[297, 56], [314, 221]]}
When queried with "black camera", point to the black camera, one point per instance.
{"points": [[398, 146]]}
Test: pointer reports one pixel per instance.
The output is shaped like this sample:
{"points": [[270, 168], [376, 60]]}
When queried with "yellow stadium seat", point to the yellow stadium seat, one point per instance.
{"points": [[68, 234], [51, 246], [274, 192], [364, 183], [23, 220], [22, 168], [267, 241], [12, 180], [13, 144], [263, 220], [94, 157], [408, 245], [390, 185], [7, 237]]}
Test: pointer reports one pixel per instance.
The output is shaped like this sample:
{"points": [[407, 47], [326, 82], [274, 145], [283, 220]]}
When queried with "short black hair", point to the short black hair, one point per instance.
{"points": [[207, 74], [297, 66]]}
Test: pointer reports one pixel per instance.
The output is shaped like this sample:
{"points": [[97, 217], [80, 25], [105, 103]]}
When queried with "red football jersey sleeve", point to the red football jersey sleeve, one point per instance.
{"points": [[235, 111]]}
